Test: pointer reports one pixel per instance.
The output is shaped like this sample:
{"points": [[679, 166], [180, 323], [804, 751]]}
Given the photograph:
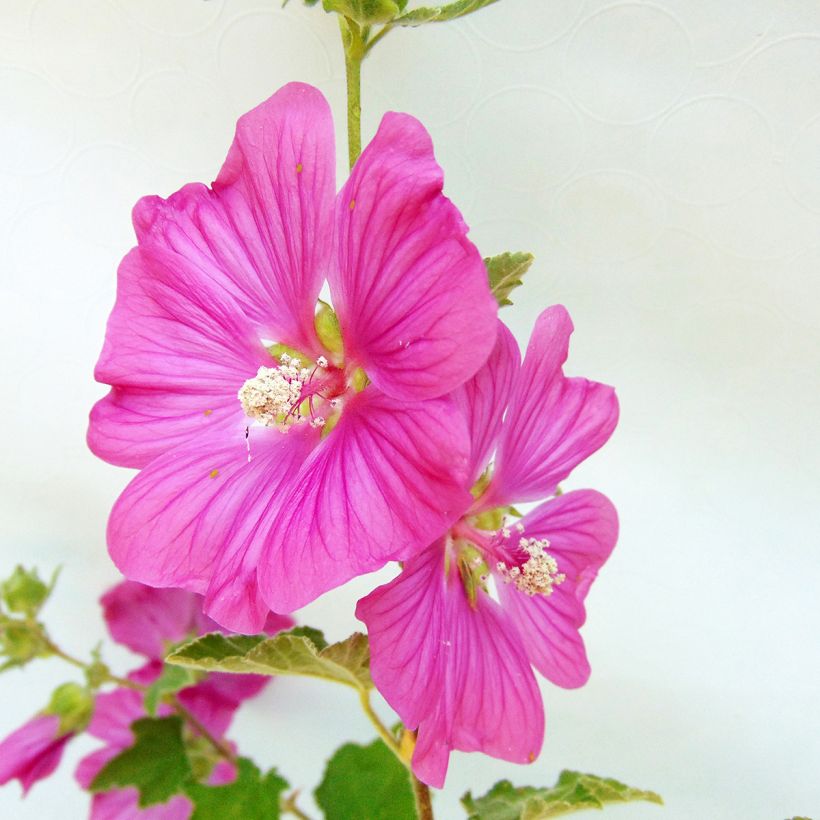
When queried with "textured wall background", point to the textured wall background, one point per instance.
{"points": [[662, 159]]}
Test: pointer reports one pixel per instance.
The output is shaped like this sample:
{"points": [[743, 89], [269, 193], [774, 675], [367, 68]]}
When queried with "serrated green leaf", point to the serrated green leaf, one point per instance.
{"points": [[300, 651], [252, 796], [441, 14], [364, 12], [156, 764], [506, 272], [365, 781], [574, 791], [171, 679], [315, 635], [216, 652]]}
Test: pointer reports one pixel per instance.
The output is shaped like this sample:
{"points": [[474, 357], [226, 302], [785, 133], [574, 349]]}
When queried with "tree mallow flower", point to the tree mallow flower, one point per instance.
{"points": [[283, 448], [454, 636]]}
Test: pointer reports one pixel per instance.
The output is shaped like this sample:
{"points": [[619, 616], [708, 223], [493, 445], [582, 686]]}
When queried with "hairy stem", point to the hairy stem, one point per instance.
{"points": [[354, 48], [384, 732], [424, 805]]}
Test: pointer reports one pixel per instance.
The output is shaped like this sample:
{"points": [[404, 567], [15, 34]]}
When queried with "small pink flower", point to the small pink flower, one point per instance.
{"points": [[452, 661], [372, 468], [32, 752], [148, 621]]}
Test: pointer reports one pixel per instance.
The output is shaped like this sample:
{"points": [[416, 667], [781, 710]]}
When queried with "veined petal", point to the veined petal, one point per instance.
{"points": [[277, 187], [196, 518], [456, 673], [176, 352], [553, 422], [483, 398], [390, 477], [582, 528], [409, 288]]}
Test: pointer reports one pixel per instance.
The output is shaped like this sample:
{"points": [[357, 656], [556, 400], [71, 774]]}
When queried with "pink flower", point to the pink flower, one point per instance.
{"points": [[374, 465], [147, 621], [32, 752], [454, 662]]}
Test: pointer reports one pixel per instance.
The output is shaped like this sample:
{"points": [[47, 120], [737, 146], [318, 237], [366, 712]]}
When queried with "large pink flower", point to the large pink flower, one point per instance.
{"points": [[147, 621], [33, 751], [374, 463], [454, 662]]}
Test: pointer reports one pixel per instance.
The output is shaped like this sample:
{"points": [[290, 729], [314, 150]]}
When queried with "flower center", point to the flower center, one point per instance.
{"points": [[286, 395], [527, 565], [538, 574]]}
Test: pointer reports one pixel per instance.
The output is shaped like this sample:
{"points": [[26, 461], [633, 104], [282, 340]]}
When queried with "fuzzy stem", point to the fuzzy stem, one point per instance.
{"points": [[424, 806], [384, 732], [354, 49]]}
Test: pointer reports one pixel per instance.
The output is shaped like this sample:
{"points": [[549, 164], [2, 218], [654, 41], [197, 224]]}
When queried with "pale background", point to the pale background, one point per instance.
{"points": [[662, 160]]}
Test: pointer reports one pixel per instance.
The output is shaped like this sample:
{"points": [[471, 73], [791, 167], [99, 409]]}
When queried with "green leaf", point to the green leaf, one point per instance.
{"points": [[216, 652], [301, 651], [574, 791], [365, 781], [506, 272], [364, 12], [156, 764], [252, 796], [440, 14], [171, 679]]}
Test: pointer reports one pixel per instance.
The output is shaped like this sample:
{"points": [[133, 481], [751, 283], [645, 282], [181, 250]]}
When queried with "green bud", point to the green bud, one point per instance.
{"points": [[327, 328], [24, 593], [73, 704], [21, 642]]}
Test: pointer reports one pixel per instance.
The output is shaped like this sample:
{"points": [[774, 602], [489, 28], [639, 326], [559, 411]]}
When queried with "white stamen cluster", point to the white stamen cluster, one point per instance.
{"points": [[538, 574], [271, 394]]}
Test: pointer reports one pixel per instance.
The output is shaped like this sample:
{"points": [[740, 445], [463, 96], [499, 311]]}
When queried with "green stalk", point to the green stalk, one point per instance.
{"points": [[354, 48]]}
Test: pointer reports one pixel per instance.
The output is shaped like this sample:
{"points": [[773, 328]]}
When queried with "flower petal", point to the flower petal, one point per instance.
{"points": [[146, 619], [277, 188], [553, 422], [410, 289], [456, 673], [483, 398], [123, 804], [582, 528], [389, 478], [176, 352], [196, 518], [33, 751]]}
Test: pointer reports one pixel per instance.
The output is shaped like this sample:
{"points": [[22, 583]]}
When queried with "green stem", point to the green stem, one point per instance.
{"points": [[354, 49], [370, 43], [384, 732], [222, 748]]}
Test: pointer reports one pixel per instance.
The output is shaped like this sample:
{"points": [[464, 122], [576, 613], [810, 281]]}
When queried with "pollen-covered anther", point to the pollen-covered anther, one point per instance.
{"points": [[321, 361], [271, 394], [317, 421], [539, 574]]}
